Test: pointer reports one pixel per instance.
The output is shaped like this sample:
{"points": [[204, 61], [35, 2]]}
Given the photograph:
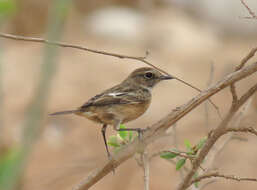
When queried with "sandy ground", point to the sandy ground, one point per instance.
{"points": [[70, 147]]}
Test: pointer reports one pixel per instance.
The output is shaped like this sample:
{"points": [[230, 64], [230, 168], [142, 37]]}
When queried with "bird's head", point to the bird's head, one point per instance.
{"points": [[146, 77]]}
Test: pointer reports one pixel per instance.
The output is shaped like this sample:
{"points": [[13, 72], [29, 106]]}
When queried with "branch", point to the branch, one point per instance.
{"points": [[216, 174], [159, 128], [243, 129], [253, 15]]}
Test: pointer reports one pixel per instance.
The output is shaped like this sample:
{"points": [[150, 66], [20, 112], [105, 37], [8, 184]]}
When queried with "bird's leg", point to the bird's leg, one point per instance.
{"points": [[105, 142], [106, 146]]}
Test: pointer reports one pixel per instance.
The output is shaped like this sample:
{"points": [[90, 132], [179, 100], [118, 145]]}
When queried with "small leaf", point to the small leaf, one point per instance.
{"points": [[188, 145], [201, 143], [168, 155], [180, 163], [113, 141], [123, 134]]}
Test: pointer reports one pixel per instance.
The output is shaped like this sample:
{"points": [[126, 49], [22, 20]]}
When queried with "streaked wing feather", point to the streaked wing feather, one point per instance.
{"points": [[105, 99]]}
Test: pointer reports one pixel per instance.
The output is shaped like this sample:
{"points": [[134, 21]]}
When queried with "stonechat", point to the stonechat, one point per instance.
{"points": [[121, 103]]}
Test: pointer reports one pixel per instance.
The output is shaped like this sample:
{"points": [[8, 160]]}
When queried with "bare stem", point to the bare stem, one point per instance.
{"points": [[217, 174], [145, 161]]}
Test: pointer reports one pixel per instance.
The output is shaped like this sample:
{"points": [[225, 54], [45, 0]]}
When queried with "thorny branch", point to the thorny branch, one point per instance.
{"points": [[217, 174], [242, 129], [79, 47]]}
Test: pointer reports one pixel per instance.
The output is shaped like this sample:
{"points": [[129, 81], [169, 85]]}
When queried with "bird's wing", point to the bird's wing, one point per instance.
{"points": [[111, 98]]}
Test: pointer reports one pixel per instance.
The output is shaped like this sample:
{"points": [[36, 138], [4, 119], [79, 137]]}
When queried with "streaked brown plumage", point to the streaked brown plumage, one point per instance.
{"points": [[123, 102]]}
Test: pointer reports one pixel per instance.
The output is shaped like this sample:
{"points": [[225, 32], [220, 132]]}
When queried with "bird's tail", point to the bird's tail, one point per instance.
{"points": [[64, 112]]}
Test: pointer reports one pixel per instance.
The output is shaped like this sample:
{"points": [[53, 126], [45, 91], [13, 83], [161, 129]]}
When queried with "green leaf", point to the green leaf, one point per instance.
{"points": [[113, 141], [180, 163], [188, 145], [168, 155], [201, 143], [123, 134]]}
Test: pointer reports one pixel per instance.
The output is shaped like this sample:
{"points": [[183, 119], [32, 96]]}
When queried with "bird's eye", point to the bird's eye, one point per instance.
{"points": [[148, 75]]}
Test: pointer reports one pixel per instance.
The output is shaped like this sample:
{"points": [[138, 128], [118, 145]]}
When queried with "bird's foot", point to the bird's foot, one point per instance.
{"points": [[140, 132]]}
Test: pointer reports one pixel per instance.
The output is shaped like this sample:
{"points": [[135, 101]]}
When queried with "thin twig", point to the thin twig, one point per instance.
{"points": [[66, 45], [246, 59], [214, 105], [253, 15], [242, 129], [217, 174], [145, 162], [206, 104]]}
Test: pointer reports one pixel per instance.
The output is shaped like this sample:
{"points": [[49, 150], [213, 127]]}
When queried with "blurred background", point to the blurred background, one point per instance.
{"points": [[197, 41]]}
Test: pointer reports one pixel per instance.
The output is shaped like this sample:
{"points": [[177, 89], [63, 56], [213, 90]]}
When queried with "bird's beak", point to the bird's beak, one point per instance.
{"points": [[167, 77]]}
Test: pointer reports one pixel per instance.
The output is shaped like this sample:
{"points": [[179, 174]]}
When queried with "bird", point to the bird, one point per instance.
{"points": [[122, 103]]}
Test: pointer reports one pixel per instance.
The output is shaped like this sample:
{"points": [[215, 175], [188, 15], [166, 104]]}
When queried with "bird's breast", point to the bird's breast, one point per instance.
{"points": [[133, 111]]}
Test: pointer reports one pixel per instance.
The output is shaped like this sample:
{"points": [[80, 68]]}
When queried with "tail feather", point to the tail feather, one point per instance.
{"points": [[64, 112]]}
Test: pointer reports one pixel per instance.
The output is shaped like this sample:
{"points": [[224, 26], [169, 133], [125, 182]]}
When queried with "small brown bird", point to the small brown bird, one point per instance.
{"points": [[121, 103]]}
